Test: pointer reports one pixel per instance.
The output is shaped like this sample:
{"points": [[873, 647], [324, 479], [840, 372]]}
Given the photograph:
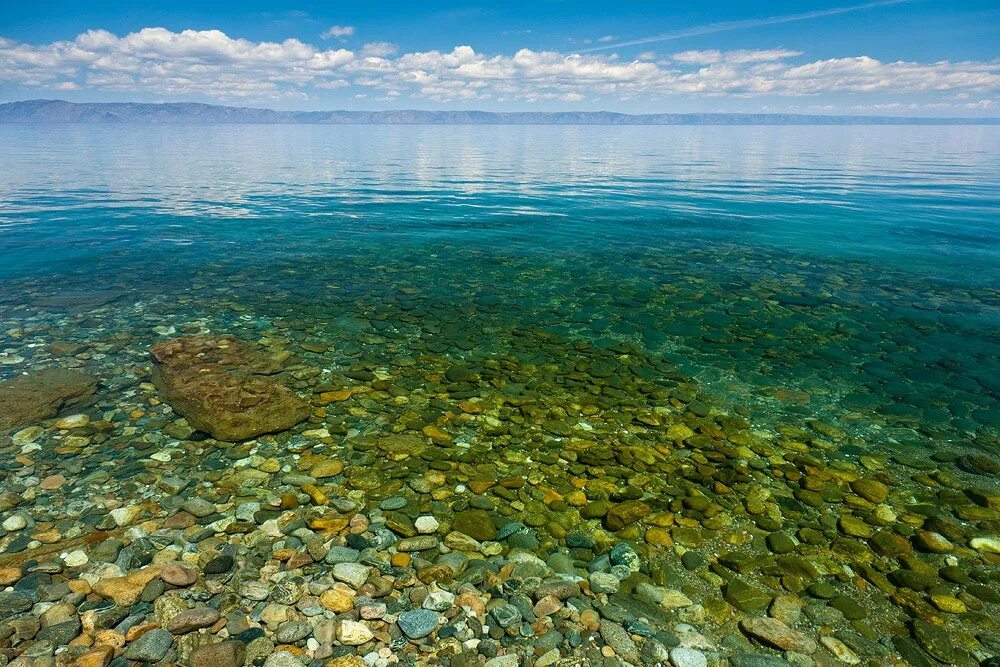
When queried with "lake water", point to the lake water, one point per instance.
{"points": [[640, 314]]}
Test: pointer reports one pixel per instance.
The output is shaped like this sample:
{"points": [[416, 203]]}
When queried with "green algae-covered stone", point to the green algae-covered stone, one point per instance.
{"points": [[745, 597], [477, 524]]}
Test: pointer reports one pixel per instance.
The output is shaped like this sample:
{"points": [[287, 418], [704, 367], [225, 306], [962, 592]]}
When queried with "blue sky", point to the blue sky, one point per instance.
{"points": [[898, 57]]}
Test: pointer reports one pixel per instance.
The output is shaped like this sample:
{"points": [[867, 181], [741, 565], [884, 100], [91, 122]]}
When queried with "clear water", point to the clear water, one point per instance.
{"points": [[732, 332], [850, 274]]}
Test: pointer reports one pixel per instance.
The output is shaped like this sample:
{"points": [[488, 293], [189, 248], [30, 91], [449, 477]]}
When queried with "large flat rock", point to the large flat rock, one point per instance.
{"points": [[30, 398], [224, 386]]}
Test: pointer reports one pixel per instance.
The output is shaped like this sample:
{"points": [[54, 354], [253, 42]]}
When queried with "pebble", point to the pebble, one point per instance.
{"points": [[125, 516], [150, 647], [72, 421], [615, 636], [282, 659], [687, 657], [619, 486], [27, 436], [775, 633], [354, 574], [14, 523], [439, 600], [353, 633], [76, 558], [426, 524], [418, 623], [192, 619], [840, 650], [230, 653], [990, 545], [178, 575]]}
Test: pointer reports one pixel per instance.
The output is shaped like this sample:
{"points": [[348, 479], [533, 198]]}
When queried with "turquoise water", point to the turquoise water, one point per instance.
{"points": [[856, 265], [633, 387]]}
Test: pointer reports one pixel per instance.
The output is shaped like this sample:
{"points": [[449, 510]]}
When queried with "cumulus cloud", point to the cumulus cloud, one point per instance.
{"points": [[211, 63], [337, 32], [379, 49]]}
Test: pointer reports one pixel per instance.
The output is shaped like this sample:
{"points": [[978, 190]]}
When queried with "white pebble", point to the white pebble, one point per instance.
{"points": [[73, 421], [75, 558], [14, 522], [123, 516], [426, 524], [990, 545], [687, 657]]}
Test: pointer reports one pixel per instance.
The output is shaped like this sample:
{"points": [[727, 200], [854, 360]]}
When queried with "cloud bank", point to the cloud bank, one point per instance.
{"points": [[210, 63]]}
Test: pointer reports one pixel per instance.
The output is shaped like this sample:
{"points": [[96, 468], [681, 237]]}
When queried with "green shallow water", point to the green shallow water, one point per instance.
{"points": [[736, 328]]}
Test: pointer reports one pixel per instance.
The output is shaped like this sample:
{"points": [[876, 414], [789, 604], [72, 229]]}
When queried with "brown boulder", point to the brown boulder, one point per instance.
{"points": [[231, 653], [30, 398], [125, 590], [223, 386], [625, 514]]}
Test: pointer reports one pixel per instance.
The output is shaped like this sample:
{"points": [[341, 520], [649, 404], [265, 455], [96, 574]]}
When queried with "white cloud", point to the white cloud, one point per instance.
{"points": [[211, 63], [337, 31], [379, 49]]}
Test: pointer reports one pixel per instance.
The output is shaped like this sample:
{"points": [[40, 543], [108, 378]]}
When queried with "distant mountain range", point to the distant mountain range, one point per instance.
{"points": [[59, 111]]}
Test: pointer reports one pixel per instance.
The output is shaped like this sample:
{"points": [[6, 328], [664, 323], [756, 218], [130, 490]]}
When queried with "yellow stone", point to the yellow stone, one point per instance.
{"points": [[318, 497], [271, 465], [549, 496], [339, 599], [330, 524], [98, 657], [50, 536], [659, 537], [335, 396], [109, 638], [327, 468], [125, 591], [437, 435], [948, 604], [679, 432], [660, 519], [9, 575]]}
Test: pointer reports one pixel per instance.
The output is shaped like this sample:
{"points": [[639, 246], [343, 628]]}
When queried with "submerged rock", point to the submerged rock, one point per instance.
{"points": [[222, 386], [40, 395]]}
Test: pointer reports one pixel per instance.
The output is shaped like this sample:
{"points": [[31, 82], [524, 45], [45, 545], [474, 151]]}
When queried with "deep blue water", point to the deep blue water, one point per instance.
{"points": [[860, 265]]}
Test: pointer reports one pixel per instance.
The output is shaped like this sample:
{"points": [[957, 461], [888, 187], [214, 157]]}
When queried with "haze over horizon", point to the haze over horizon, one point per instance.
{"points": [[888, 57]]}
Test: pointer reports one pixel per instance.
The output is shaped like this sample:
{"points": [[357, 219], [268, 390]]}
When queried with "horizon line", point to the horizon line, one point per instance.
{"points": [[874, 116]]}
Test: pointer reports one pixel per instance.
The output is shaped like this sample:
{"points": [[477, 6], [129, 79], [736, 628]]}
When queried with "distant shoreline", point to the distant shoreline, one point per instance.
{"points": [[189, 113]]}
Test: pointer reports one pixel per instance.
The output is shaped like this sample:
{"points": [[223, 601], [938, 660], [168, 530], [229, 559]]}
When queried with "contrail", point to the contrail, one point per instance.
{"points": [[723, 26]]}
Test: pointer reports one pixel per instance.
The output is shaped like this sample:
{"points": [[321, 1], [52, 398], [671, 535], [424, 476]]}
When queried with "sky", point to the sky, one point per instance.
{"points": [[887, 57]]}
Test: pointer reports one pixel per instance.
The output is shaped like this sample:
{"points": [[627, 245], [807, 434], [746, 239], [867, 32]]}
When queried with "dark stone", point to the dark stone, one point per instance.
{"points": [[417, 623], [477, 524], [150, 647], [745, 597], [60, 634], [14, 602], [219, 565]]}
